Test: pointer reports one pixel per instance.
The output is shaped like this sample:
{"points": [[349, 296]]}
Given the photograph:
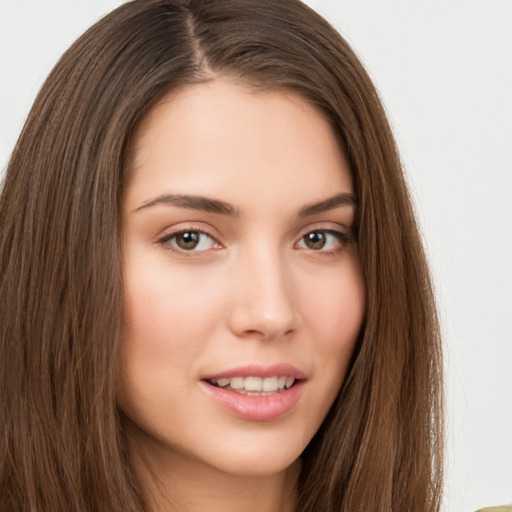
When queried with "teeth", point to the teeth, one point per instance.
{"points": [[236, 382], [256, 384], [253, 383], [270, 384]]}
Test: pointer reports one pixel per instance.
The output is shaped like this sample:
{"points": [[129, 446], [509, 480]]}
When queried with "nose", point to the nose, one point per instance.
{"points": [[263, 297]]}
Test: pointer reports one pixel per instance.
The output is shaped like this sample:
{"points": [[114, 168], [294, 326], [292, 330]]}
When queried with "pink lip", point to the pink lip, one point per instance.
{"points": [[256, 370], [257, 407]]}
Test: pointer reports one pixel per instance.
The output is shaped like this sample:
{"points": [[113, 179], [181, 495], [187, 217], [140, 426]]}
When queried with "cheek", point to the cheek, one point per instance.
{"points": [[334, 311], [165, 309], [166, 326], [336, 304], [165, 330]]}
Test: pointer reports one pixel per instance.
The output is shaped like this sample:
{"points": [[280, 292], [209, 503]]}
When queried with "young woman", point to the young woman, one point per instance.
{"points": [[213, 292]]}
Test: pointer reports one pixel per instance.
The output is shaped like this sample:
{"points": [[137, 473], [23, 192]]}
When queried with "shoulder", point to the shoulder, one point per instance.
{"points": [[504, 508]]}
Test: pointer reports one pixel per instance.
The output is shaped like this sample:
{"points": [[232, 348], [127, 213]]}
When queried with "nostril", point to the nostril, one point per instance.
{"points": [[263, 316]]}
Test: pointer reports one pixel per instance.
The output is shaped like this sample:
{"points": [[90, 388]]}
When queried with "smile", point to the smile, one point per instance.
{"points": [[256, 393], [254, 385]]}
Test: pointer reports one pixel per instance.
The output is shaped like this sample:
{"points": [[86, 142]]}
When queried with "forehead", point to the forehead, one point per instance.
{"points": [[222, 138]]}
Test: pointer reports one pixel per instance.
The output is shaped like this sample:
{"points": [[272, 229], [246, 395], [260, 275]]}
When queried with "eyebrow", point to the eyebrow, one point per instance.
{"points": [[204, 204], [209, 205], [343, 199]]}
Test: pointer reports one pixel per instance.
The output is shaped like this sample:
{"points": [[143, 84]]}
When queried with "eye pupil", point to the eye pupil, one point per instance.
{"points": [[315, 240], [188, 240]]}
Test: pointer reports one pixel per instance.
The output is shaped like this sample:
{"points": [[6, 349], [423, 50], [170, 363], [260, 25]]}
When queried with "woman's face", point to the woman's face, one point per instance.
{"points": [[242, 278]]}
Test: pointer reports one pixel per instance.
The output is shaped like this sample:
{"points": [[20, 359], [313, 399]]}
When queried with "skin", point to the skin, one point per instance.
{"points": [[253, 291]]}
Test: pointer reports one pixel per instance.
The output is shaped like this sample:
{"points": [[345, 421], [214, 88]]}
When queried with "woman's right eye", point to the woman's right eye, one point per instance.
{"points": [[189, 240]]}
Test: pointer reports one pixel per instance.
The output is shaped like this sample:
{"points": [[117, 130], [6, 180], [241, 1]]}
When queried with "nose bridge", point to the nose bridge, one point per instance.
{"points": [[264, 302]]}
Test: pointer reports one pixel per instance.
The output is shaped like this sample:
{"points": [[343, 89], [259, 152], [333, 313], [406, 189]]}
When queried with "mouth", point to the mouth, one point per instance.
{"points": [[255, 392], [256, 386]]}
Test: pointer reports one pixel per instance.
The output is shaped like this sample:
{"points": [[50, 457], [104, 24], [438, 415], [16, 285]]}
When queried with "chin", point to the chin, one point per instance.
{"points": [[257, 458]]}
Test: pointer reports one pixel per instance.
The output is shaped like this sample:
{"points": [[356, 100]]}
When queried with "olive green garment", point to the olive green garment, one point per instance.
{"points": [[504, 508]]}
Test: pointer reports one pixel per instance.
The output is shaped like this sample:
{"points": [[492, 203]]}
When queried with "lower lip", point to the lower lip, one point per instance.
{"points": [[256, 407]]}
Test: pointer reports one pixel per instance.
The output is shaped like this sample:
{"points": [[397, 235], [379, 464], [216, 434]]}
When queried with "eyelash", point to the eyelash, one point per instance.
{"points": [[342, 238], [166, 241]]}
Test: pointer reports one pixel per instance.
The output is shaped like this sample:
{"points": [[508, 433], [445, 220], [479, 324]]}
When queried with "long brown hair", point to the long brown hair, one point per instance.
{"points": [[62, 445]]}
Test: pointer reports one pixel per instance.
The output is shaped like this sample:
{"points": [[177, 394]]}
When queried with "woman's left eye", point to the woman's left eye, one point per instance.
{"points": [[323, 240], [189, 241]]}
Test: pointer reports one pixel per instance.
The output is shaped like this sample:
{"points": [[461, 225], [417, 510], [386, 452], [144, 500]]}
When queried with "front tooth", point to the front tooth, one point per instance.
{"points": [[253, 383], [269, 384], [289, 382], [281, 381], [223, 382], [237, 382]]}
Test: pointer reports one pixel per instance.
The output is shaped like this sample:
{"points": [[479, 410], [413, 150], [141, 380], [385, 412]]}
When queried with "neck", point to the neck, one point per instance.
{"points": [[173, 482]]}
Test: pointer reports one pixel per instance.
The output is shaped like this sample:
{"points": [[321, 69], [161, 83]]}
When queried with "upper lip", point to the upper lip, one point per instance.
{"points": [[258, 370]]}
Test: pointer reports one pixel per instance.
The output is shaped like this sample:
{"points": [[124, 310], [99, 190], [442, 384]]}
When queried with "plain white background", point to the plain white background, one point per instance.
{"points": [[444, 71]]}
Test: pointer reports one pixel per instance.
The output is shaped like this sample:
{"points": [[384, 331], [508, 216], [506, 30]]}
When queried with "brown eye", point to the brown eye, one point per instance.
{"points": [[323, 240], [188, 240], [315, 240]]}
